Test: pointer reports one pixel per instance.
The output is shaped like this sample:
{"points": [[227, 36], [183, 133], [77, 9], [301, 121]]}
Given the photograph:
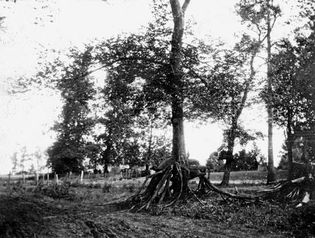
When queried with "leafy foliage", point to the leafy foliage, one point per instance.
{"points": [[254, 13], [241, 135], [290, 99], [245, 161], [220, 93], [68, 152]]}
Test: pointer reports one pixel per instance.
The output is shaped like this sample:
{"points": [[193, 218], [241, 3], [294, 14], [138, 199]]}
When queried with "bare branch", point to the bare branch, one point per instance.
{"points": [[185, 5]]}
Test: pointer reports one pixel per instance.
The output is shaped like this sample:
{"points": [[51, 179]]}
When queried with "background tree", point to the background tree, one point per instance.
{"points": [[261, 16], [117, 119], [289, 98], [67, 153], [284, 161], [93, 154], [14, 159], [224, 92], [307, 68], [150, 123], [245, 161]]}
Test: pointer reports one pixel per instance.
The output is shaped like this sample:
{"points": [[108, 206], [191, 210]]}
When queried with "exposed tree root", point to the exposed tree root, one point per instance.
{"points": [[299, 190], [214, 188], [170, 185]]}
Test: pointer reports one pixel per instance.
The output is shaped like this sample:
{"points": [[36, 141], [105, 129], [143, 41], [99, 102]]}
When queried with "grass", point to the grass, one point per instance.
{"points": [[246, 177]]}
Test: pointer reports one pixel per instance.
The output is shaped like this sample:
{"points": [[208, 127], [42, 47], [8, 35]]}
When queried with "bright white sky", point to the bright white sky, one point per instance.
{"points": [[25, 120]]}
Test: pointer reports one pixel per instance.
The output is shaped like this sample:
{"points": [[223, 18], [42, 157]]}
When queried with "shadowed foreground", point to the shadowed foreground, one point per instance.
{"points": [[88, 211]]}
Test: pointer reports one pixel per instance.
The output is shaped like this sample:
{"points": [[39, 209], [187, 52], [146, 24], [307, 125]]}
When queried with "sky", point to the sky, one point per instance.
{"points": [[30, 27]]}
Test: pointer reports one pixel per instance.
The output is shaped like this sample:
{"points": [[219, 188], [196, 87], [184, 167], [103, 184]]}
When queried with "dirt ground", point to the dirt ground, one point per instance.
{"points": [[93, 211]]}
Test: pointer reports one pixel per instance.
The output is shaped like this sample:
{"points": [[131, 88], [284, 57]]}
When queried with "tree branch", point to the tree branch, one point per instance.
{"points": [[185, 5]]}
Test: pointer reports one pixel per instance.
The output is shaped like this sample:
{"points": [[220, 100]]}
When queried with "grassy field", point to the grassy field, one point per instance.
{"points": [[236, 178], [248, 177]]}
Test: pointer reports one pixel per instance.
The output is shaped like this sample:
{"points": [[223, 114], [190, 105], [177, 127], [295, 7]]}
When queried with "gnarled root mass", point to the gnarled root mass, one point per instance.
{"points": [[299, 191], [170, 185]]}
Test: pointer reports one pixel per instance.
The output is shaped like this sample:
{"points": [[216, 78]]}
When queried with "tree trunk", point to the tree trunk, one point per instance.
{"points": [[171, 180], [148, 159], [176, 79], [178, 152], [290, 145], [231, 139], [106, 155], [229, 155], [106, 168], [227, 171], [271, 170]]}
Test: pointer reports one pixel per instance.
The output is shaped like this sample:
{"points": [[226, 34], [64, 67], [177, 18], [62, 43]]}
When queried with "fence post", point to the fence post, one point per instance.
{"points": [[56, 178], [81, 177], [9, 182], [36, 177], [47, 177], [23, 175]]}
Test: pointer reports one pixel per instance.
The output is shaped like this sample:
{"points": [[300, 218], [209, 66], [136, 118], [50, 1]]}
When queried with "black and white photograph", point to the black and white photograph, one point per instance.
{"points": [[157, 118]]}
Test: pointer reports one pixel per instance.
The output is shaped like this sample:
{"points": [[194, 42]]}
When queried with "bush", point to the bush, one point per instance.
{"points": [[193, 162], [245, 161]]}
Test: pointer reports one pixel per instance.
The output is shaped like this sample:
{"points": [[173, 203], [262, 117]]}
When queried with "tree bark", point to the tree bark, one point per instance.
{"points": [[106, 155], [148, 159], [290, 144], [271, 177], [229, 156], [176, 80]]}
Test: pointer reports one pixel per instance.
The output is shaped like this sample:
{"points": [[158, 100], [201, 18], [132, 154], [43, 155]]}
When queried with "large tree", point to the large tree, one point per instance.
{"points": [[222, 97], [290, 101], [260, 16], [223, 92], [151, 57], [175, 78], [158, 57], [67, 153]]}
